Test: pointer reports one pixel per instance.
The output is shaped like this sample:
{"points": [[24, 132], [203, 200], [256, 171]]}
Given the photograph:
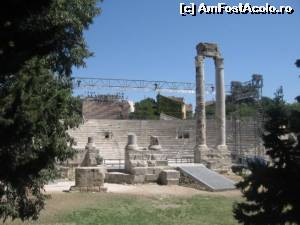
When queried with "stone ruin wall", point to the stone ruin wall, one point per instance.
{"points": [[110, 137]]}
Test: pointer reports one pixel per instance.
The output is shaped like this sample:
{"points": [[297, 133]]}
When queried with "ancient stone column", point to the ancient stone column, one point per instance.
{"points": [[90, 142], [220, 102], [131, 146], [132, 142], [201, 146]]}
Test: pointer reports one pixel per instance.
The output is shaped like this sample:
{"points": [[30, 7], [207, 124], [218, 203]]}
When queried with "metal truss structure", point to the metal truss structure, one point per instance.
{"points": [[247, 90], [94, 84]]}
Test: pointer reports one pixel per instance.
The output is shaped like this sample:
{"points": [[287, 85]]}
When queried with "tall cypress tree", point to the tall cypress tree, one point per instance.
{"points": [[271, 190]]}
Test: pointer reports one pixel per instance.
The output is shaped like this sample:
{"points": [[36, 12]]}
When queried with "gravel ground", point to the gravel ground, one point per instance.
{"points": [[142, 189]]}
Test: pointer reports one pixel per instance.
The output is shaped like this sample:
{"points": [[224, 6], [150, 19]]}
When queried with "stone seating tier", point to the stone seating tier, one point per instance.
{"points": [[110, 136]]}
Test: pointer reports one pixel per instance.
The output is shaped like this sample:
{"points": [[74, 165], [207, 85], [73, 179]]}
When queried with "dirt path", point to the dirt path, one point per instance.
{"points": [[145, 190]]}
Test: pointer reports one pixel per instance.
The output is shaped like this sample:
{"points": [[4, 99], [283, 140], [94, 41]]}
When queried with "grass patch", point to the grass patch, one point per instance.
{"points": [[117, 209]]}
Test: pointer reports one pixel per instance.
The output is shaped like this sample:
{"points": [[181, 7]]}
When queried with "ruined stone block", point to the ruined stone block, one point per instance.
{"points": [[138, 179], [161, 163], [151, 177], [139, 171], [208, 49], [151, 163], [154, 170], [158, 156], [169, 177], [89, 176], [171, 182], [154, 143], [137, 163], [118, 178]]}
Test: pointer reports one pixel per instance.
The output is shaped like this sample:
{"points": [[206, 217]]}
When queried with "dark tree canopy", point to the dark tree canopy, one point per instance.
{"points": [[297, 63], [271, 190], [51, 28], [40, 43]]}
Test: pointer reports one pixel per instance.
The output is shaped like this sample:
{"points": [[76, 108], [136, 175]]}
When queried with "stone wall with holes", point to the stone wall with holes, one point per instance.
{"points": [[177, 137]]}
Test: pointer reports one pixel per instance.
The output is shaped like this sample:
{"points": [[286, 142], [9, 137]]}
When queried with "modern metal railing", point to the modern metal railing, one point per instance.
{"points": [[114, 163], [186, 159], [120, 163]]}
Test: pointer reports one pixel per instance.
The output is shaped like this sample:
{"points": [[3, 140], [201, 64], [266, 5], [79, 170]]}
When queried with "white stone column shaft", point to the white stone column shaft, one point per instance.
{"points": [[200, 102], [220, 102]]}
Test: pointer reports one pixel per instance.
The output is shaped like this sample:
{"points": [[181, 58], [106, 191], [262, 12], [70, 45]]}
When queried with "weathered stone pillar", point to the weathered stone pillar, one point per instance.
{"points": [[130, 147], [91, 142], [201, 146], [89, 157], [220, 102], [132, 142]]}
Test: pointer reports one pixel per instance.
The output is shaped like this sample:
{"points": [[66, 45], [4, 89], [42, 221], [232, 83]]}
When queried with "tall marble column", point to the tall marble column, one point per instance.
{"points": [[201, 146], [220, 102]]}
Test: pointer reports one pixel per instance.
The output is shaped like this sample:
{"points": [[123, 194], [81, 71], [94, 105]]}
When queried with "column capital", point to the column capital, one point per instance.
{"points": [[219, 62], [199, 60]]}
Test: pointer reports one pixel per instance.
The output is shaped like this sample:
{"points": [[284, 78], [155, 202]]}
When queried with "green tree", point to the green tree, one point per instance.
{"points": [[36, 111], [271, 190], [41, 28], [170, 106], [42, 41], [145, 109]]}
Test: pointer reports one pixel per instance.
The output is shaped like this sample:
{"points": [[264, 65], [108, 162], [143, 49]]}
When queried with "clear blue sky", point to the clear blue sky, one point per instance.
{"points": [[142, 39]]}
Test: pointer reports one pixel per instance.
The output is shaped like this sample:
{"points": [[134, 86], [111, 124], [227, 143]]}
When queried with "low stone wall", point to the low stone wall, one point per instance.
{"points": [[118, 178]]}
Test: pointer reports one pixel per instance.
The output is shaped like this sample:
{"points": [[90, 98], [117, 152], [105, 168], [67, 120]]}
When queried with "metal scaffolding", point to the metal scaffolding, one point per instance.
{"points": [[93, 84], [125, 84]]}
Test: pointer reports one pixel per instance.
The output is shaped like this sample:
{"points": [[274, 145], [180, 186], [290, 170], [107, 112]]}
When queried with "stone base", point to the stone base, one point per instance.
{"points": [[137, 175], [221, 162], [218, 159], [89, 179], [169, 177], [201, 154]]}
